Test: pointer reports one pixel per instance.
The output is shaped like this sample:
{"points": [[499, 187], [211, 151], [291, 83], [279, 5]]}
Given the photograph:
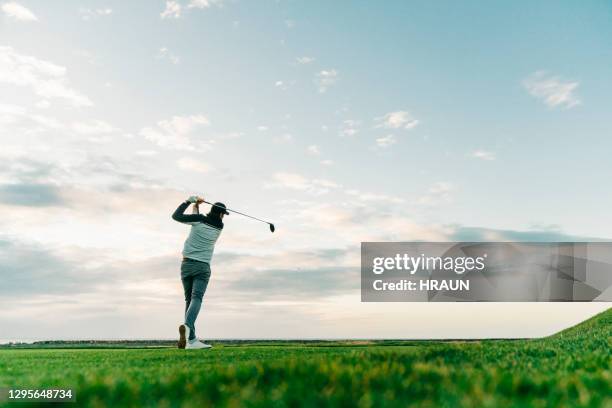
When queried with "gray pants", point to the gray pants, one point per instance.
{"points": [[195, 276]]}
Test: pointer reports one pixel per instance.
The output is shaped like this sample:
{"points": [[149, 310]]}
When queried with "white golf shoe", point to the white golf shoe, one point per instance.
{"points": [[196, 345]]}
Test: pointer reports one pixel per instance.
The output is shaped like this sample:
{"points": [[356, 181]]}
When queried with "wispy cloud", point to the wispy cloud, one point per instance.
{"points": [[326, 78], [164, 53], [90, 14], [46, 79], [173, 10], [31, 195], [304, 60], [397, 120], [295, 181], [439, 192], [174, 133], [284, 85], [284, 138], [93, 127], [314, 149], [365, 196], [203, 4], [146, 153], [349, 127], [42, 104], [554, 91], [183, 124], [386, 141], [483, 155], [17, 11], [10, 113], [193, 165], [15, 114]]}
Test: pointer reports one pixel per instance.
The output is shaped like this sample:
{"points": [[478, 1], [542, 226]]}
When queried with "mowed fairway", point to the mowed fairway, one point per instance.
{"points": [[572, 368]]}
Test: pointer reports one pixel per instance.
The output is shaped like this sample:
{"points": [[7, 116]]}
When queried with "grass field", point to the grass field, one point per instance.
{"points": [[572, 368]]}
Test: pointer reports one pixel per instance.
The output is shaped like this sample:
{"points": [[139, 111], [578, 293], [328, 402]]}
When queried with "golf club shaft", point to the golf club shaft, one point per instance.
{"points": [[246, 215]]}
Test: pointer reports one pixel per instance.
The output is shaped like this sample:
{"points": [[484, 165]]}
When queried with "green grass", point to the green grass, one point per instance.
{"points": [[572, 368]]}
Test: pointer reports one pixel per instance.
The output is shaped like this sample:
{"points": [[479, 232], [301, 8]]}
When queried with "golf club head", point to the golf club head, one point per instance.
{"points": [[272, 228]]}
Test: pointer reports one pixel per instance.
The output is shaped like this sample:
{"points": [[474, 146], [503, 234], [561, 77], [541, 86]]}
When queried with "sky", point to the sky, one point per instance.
{"points": [[341, 122]]}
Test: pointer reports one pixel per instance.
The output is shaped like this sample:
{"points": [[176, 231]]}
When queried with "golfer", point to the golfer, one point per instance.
{"points": [[195, 268]]}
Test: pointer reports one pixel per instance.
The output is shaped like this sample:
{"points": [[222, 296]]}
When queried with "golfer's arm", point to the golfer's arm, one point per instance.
{"points": [[180, 216]]}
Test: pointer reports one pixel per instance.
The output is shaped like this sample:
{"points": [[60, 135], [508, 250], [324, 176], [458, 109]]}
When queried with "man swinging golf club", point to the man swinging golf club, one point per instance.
{"points": [[195, 268]]}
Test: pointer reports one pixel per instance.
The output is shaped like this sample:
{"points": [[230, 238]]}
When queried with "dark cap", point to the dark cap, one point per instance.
{"points": [[219, 208]]}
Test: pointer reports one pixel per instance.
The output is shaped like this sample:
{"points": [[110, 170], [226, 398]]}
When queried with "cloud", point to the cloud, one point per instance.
{"points": [[70, 180], [375, 218], [386, 141], [30, 195], [18, 12], [303, 282], [325, 79], [147, 153], [365, 196], [478, 234], [46, 121], [203, 4], [38, 279], [29, 269], [350, 127], [295, 181], [174, 133], [11, 113], [313, 149], [439, 192], [290, 24], [173, 10], [46, 79], [42, 104], [483, 155], [164, 53], [327, 162], [90, 14], [304, 60], [397, 120], [284, 138], [552, 90], [14, 114], [97, 294], [18, 167], [93, 127], [284, 85], [183, 124], [189, 164]]}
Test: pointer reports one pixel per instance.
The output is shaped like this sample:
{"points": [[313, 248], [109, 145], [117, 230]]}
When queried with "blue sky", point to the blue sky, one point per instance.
{"points": [[342, 122]]}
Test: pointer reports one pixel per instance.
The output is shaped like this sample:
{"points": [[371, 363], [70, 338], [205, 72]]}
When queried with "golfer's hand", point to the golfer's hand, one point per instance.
{"points": [[199, 200], [193, 199]]}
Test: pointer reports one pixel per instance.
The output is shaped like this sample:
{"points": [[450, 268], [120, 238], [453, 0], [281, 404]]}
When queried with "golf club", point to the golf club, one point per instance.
{"points": [[272, 228]]}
